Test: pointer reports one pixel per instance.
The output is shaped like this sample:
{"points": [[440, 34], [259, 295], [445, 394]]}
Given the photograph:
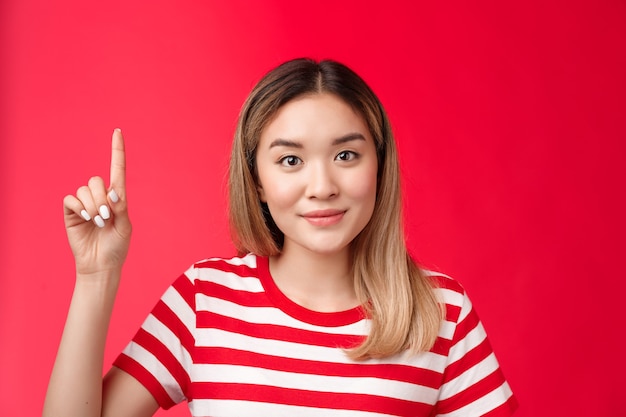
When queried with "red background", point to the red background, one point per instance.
{"points": [[510, 118]]}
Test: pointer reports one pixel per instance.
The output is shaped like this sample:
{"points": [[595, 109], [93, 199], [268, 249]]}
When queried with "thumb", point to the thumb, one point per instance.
{"points": [[119, 207]]}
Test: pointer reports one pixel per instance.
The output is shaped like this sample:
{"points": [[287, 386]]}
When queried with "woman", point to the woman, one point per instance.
{"points": [[322, 313]]}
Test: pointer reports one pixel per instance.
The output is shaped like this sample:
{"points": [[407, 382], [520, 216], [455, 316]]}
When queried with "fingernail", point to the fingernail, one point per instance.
{"points": [[118, 129], [104, 212], [98, 221], [113, 196], [85, 215]]}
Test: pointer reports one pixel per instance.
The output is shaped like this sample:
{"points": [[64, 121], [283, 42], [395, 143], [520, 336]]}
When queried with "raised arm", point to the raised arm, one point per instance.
{"points": [[98, 229]]}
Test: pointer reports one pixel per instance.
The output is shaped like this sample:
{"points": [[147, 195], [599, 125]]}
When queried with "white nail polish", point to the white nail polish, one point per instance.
{"points": [[104, 212], [98, 221], [113, 196], [85, 215]]}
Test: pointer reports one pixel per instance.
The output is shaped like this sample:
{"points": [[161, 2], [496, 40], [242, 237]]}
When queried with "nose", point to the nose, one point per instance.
{"points": [[321, 181]]}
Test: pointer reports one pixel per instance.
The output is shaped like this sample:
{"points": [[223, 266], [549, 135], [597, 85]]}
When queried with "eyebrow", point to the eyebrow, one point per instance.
{"points": [[294, 144]]}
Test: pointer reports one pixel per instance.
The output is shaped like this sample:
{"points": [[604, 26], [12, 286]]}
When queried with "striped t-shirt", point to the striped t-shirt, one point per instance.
{"points": [[224, 338]]}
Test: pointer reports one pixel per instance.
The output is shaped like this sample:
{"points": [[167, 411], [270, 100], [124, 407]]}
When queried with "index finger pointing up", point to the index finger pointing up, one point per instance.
{"points": [[118, 163]]}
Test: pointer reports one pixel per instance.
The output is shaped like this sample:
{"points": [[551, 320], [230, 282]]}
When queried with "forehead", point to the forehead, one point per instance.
{"points": [[314, 116]]}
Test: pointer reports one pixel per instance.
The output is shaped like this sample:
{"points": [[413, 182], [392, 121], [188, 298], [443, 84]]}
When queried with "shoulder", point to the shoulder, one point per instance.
{"points": [[448, 290], [249, 260], [240, 272], [246, 265], [451, 294]]}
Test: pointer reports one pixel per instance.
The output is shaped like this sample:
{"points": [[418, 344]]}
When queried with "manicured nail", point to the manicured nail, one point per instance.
{"points": [[113, 196], [85, 215], [104, 212], [98, 221]]}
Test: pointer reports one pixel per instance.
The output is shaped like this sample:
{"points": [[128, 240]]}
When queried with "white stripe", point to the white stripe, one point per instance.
{"points": [[156, 368], [224, 408], [471, 376], [231, 280], [450, 297], [320, 383], [429, 273], [484, 404], [248, 260], [474, 338], [271, 315], [175, 301], [466, 308], [228, 340], [446, 329]]}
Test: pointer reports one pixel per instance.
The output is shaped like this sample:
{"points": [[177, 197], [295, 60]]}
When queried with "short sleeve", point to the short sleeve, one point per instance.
{"points": [[160, 354], [474, 384]]}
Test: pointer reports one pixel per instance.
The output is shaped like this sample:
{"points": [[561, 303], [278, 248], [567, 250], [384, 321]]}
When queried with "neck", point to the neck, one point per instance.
{"points": [[319, 282]]}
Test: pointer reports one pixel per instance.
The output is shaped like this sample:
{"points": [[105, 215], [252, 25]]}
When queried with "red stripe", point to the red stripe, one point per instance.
{"points": [[132, 367], [305, 398], [206, 319], [471, 358], [166, 316], [472, 393], [222, 265], [403, 373], [448, 284], [468, 324], [165, 356], [241, 297], [186, 290], [452, 313], [441, 346]]}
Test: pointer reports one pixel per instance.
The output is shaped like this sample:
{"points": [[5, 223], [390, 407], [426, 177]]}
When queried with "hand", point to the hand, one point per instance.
{"points": [[96, 219]]}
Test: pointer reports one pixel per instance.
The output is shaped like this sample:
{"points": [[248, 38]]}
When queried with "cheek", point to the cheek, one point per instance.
{"points": [[365, 182], [273, 189], [362, 187], [280, 194]]}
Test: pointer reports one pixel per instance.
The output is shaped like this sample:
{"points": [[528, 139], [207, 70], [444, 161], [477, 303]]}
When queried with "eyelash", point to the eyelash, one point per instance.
{"points": [[284, 161], [353, 155]]}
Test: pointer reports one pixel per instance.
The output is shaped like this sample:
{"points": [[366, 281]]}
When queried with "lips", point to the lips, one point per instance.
{"points": [[324, 217]]}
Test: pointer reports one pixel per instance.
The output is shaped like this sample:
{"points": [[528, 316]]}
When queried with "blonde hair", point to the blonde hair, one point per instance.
{"points": [[397, 297]]}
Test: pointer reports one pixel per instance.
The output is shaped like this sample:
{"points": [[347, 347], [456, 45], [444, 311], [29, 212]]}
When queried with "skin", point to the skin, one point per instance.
{"points": [[317, 172]]}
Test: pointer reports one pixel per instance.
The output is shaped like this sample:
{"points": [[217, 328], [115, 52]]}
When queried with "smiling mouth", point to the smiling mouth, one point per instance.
{"points": [[324, 217]]}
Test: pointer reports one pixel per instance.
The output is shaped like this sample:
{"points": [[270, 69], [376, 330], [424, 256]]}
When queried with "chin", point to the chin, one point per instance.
{"points": [[327, 248]]}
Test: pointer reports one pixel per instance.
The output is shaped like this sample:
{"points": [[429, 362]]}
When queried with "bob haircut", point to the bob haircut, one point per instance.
{"points": [[395, 294]]}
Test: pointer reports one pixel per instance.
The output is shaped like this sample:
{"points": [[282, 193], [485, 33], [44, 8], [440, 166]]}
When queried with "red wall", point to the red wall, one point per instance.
{"points": [[510, 117]]}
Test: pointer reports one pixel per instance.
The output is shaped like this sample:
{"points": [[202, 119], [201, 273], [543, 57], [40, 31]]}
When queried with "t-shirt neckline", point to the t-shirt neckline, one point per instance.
{"points": [[295, 310]]}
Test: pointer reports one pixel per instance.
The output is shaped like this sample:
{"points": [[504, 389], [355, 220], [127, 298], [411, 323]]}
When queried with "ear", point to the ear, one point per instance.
{"points": [[261, 193]]}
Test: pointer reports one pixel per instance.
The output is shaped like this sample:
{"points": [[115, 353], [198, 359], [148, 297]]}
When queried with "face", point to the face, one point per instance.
{"points": [[317, 171]]}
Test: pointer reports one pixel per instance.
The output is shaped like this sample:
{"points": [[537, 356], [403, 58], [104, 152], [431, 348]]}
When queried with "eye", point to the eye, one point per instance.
{"points": [[289, 161], [346, 156]]}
